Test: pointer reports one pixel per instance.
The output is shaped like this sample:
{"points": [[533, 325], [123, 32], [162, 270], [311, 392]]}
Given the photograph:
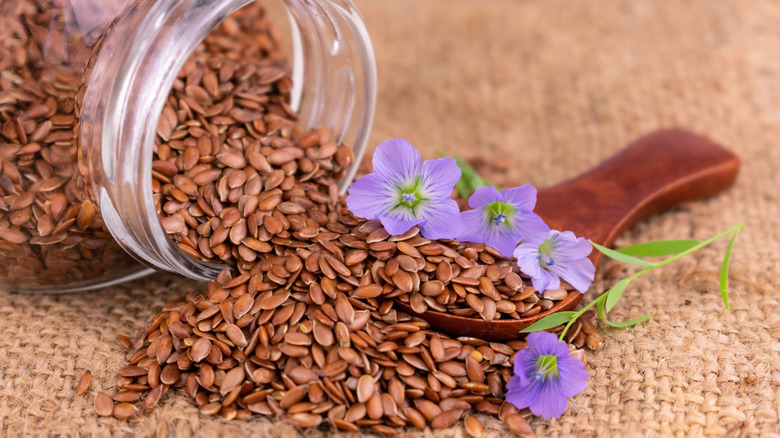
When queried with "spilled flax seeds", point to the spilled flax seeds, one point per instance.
{"points": [[301, 324]]}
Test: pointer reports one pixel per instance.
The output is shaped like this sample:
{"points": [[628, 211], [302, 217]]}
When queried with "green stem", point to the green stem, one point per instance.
{"points": [[674, 258], [574, 317]]}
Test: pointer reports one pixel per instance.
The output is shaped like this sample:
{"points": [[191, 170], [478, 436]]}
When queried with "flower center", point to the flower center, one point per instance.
{"points": [[545, 254], [408, 198], [411, 195], [500, 213], [546, 366]]}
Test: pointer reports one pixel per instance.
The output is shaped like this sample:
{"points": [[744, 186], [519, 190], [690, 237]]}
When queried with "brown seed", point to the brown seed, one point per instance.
{"points": [[124, 340], [446, 419], [293, 396], [474, 302], [374, 407], [517, 424], [322, 334], [414, 417], [153, 377], [154, 395], [345, 425], [417, 303], [200, 349], [275, 300], [304, 420], [126, 396], [408, 249], [345, 311], [513, 281], [403, 280], [235, 161], [428, 409], [170, 374], [474, 370], [367, 291], [594, 340], [232, 379], [212, 408], [236, 335], [84, 382], [131, 371], [473, 426], [124, 410], [555, 294], [432, 288], [414, 339], [104, 406], [365, 388], [297, 339]]}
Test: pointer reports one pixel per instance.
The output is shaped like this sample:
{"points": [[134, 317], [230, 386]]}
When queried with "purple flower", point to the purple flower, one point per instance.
{"points": [[545, 376], [403, 191], [502, 220], [562, 255]]}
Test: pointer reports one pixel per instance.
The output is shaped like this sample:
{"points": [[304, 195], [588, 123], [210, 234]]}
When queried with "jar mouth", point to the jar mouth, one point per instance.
{"points": [[123, 102]]}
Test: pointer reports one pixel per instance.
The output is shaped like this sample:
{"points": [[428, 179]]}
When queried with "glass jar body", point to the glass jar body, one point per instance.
{"points": [[82, 87]]}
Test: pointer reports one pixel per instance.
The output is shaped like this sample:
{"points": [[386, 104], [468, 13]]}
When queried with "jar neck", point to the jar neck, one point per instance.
{"points": [[132, 73]]}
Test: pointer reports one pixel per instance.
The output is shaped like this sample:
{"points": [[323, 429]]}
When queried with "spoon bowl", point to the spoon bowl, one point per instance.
{"points": [[657, 172]]}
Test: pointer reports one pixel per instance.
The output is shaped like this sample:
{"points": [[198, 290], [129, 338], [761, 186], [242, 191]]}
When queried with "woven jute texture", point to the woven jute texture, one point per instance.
{"points": [[552, 88]]}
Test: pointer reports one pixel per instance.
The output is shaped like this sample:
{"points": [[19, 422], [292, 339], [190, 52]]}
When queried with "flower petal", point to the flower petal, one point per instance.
{"points": [[525, 365], [503, 239], [527, 256], [523, 396], [578, 273], [573, 376], [441, 219], [514, 382], [550, 402], [567, 246], [399, 220], [371, 196], [439, 177], [546, 280], [523, 197], [484, 196], [546, 344], [397, 161], [530, 228], [474, 226]]}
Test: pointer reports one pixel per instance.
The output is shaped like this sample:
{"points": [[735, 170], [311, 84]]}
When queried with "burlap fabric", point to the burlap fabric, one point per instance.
{"points": [[553, 88]]}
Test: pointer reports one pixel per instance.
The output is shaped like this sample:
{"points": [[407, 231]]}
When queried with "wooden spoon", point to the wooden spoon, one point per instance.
{"points": [[655, 173]]}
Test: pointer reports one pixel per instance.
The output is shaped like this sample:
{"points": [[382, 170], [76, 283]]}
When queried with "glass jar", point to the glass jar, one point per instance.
{"points": [[83, 84]]}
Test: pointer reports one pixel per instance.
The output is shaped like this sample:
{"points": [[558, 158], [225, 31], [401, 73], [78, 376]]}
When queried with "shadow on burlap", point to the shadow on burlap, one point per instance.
{"points": [[553, 88]]}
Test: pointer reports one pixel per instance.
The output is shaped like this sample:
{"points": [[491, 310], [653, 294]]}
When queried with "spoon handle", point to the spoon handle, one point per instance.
{"points": [[658, 171]]}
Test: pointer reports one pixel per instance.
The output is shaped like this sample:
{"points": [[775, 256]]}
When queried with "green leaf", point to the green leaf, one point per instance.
{"points": [[469, 176], [611, 253], [616, 292], [658, 249], [633, 322], [724, 272], [463, 190], [549, 321], [600, 310]]}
